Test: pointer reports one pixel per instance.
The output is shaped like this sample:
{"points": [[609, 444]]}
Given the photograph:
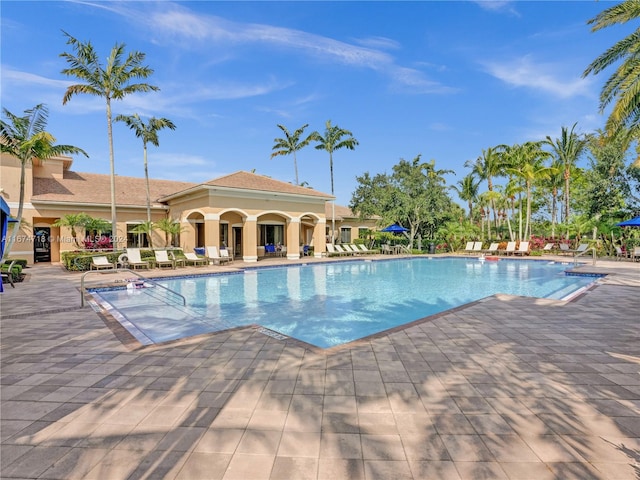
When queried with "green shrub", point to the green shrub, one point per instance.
{"points": [[16, 271], [77, 261]]}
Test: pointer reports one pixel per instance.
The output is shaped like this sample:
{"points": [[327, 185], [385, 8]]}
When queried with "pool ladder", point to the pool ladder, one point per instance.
{"points": [[120, 270]]}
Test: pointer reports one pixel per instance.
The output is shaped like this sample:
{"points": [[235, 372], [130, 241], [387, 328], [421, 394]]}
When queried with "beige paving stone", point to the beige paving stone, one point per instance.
{"points": [[76, 464], [384, 469], [204, 466], [340, 445], [244, 466], [334, 468], [300, 468]]}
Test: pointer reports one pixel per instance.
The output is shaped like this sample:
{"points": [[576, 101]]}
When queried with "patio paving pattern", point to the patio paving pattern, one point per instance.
{"points": [[505, 388]]}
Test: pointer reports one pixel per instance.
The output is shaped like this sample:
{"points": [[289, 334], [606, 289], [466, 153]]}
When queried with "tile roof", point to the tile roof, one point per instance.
{"points": [[342, 212], [95, 188], [252, 181]]}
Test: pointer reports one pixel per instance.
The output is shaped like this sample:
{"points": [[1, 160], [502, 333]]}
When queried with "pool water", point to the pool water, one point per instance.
{"points": [[328, 304]]}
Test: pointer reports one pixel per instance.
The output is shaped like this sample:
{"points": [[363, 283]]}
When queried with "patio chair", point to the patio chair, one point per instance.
{"points": [[342, 251], [469, 247], [620, 253], [493, 248], [214, 256], [224, 255], [523, 249], [163, 260], [511, 247], [477, 247], [270, 250], [364, 249], [332, 251], [101, 262], [135, 260], [549, 247], [635, 255], [193, 259]]}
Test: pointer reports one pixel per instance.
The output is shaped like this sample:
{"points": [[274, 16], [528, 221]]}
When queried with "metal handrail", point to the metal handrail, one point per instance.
{"points": [[590, 249], [119, 270]]}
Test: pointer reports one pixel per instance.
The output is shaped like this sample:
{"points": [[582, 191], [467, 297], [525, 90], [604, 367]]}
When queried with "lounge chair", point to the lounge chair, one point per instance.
{"points": [[193, 259], [341, 251], [101, 262], [493, 248], [511, 247], [564, 248], [523, 249], [355, 250], [635, 255], [214, 256], [163, 260], [620, 253], [364, 249], [549, 247], [332, 251], [477, 247], [224, 255], [135, 260], [386, 249], [469, 247]]}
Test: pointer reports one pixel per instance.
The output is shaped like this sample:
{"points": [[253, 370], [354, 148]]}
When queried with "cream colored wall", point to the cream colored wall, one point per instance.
{"points": [[50, 168], [10, 181]]}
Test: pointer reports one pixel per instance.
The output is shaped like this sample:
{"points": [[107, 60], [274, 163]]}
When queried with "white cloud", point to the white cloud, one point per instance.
{"points": [[523, 72], [173, 23]]}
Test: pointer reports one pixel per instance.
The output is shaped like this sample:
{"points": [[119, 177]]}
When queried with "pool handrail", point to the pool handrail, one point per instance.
{"points": [[587, 250], [120, 270]]}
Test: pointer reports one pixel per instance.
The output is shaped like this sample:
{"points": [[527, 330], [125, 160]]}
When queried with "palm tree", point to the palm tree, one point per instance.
{"points": [[291, 144], [170, 227], [333, 140], [623, 85], [71, 221], [25, 138], [567, 150], [147, 229], [112, 82], [553, 184], [488, 166], [527, 164], [149, 134], [467, 190]]}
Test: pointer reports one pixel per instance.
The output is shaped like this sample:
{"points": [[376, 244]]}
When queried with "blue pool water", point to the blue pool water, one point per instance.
{"points": [[328, 304]]}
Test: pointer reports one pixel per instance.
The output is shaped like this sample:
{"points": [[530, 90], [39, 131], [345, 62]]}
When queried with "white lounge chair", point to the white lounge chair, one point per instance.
{"points": [[193, 259], [163, 260], [9, 273], [493, 248], [511, 247], [214, 256], [564, 248], [341, 251], [364, 249], [477, 247], [549, 247], [135, 260], [635, 255], [224, 255], [331, 250], [523, 249], [469, 247], [101, 262]]}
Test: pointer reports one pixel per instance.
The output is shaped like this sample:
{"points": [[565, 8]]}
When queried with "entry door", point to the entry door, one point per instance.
{"points": [[42, 244], [237, 241]]}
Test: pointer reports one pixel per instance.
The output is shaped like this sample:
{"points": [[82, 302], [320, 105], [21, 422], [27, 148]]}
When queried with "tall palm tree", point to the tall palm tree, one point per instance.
{"points": [[553, 184], [488, 166], [527, 163], [334, 139], [467, 190], [25, 138], [148, 132], [623, 86], [290, 144], [567, 150], [113, 81]]}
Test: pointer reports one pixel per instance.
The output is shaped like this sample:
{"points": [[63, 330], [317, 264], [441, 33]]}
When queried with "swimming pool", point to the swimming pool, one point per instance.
{"points": [[330, 303]]}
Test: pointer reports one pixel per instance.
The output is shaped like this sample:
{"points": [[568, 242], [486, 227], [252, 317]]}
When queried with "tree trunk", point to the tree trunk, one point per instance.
{"points": [[114, 223]]}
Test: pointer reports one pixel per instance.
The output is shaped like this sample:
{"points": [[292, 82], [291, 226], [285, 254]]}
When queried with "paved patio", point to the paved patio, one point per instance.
{"points": [[506, 388]]}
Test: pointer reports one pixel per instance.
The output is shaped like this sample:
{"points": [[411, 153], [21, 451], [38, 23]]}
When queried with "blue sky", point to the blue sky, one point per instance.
{"points": [[441, 79]]}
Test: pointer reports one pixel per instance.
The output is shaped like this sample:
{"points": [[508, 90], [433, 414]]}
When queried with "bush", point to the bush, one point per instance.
{"points": [[16, 271], [77, 261]]}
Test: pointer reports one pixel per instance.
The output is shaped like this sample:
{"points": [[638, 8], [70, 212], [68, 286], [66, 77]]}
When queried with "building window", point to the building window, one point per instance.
{"points": [[271, 234], [345, 235], [224, 234], [136, 240]]}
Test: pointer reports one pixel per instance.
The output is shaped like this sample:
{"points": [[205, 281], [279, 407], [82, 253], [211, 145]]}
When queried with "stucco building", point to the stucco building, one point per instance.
{"points": [[242, 211]]}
